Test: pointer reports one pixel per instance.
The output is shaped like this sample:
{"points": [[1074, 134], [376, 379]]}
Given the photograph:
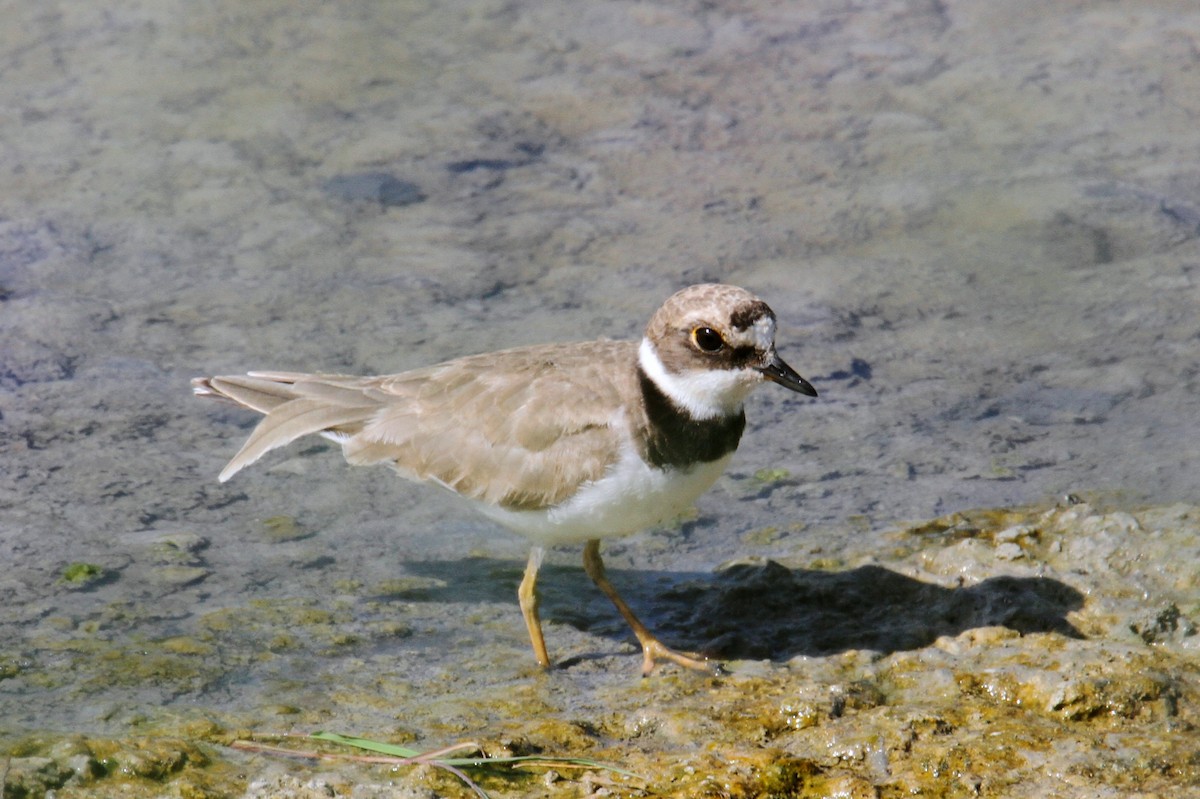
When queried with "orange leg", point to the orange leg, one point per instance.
{"points": [[653, 650], [527, 596]]}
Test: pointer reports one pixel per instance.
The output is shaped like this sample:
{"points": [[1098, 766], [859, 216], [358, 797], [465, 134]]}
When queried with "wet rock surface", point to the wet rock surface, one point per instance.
{"points": [[976, 222], [947, 670]]}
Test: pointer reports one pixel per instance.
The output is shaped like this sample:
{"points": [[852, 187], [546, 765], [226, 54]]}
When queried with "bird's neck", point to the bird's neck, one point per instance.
{"points": [[671, 436]]}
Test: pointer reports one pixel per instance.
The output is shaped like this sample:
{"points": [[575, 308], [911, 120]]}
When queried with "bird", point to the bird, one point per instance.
{"points": [[565, 443]]}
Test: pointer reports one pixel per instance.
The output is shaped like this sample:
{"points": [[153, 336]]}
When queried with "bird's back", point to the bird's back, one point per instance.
{"points": [[520, 429]]}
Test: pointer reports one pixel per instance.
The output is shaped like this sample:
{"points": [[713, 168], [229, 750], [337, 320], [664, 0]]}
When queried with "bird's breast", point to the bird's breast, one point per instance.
{"points": [[631, 496]]}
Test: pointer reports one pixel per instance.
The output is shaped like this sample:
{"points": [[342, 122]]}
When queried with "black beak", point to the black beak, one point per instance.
{"points": [[779, 372]]}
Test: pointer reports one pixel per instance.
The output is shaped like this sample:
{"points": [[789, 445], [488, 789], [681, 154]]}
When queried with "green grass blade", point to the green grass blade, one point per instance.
{"points": [[395, 750]]}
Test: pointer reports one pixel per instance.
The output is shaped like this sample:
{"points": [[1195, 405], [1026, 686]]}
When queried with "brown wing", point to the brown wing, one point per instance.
{"points": [[520, 428]]}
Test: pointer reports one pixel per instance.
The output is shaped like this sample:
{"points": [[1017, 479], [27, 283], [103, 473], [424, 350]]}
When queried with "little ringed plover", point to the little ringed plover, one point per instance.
{"points": [[561, 443]]}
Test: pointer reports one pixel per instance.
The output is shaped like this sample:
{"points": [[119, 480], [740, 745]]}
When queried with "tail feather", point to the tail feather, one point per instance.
{"points": [[290, 410], [257, 394], [289, 421]]}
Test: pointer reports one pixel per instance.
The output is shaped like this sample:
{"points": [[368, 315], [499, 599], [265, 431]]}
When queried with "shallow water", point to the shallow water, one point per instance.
{"points": [[978, 229]]}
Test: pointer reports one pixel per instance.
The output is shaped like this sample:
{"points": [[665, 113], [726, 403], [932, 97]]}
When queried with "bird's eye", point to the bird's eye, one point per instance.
{"points": [[707, 339]]}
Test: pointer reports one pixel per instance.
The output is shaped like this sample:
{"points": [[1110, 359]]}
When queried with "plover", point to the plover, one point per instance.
{"points": [[561, 443]]}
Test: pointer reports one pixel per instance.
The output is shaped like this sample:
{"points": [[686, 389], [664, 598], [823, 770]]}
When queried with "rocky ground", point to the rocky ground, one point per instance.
{"points": [[993, 653]]}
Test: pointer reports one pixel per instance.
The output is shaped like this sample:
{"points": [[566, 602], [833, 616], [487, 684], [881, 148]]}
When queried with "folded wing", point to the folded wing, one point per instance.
{"points": [[522, 429]]}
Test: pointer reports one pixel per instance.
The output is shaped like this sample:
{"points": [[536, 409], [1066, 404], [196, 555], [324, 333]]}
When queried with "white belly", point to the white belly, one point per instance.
{"points": [[630, 497]]}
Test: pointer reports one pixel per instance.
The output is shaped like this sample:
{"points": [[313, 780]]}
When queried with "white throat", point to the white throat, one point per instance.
{"points": [[706, 394]]}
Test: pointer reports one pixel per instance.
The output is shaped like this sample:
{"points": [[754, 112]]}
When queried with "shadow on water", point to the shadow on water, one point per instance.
{"points": [[760, 609]]}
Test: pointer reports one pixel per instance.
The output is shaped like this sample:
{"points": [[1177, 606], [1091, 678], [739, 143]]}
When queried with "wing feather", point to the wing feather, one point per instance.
{"points": [[522, 428], [287, 422], [259, 395]]}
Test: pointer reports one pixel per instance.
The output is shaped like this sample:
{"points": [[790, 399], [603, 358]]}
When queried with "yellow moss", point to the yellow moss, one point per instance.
{"points": [[799, 715], [399, 586], [184, 645], [220, 621], [772, 475], [557, 735], [761, 536], [282, 528], [312, 616], [281, 642]]}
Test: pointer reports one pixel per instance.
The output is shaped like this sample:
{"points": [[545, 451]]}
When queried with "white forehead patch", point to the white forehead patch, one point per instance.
{"points": [[759, 334], [763, 331]]}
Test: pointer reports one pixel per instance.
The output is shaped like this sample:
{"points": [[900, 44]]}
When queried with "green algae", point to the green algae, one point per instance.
{"points": [[762, 536], [80, 574], [411, 587], [280, 529], [92, 657], [772, 475], [78, 766]]}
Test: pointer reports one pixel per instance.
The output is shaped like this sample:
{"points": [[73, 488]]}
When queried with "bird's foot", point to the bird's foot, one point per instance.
{"points": [[655, 651]]}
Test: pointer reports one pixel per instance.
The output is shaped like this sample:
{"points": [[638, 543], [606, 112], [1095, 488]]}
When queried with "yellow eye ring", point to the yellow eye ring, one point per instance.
{"points": [[707, 339]]}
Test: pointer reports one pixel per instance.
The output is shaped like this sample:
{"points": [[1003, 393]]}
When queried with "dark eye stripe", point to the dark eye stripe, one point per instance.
{"points": [[744, 355]]}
